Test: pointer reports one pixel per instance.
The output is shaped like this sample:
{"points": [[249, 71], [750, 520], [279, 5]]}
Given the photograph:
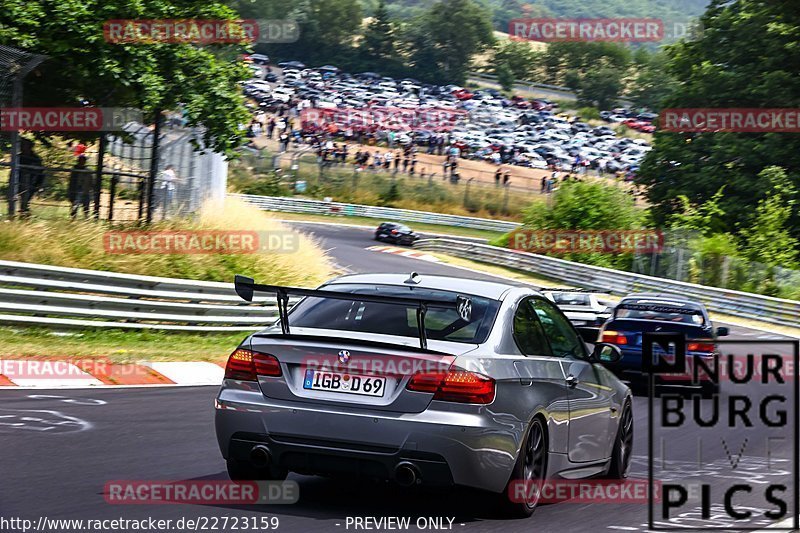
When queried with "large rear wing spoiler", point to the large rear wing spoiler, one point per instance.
{"points": [[246, 287]]}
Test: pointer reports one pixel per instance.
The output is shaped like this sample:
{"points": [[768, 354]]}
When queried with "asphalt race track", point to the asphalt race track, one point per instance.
{"points": [[59, 448]]}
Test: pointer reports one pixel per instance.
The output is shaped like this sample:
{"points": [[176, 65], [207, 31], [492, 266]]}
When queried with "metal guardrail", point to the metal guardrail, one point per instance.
{"points": [[317, 207], [741, 304], [51, 296]]}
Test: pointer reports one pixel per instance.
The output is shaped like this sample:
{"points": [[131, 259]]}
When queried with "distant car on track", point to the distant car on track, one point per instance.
{"points": [[649, 312], [395, 233], [423, 380]]}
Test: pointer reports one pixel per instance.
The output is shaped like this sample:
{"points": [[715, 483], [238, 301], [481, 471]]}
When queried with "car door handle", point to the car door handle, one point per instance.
{"points": [[572, 381]]}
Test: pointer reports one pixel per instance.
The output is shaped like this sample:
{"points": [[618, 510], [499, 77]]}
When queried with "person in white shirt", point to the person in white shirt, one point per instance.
{"points": [[168, 180]]}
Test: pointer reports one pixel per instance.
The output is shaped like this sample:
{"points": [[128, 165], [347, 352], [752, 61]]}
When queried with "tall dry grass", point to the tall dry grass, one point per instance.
{"points": [[80, 244]]}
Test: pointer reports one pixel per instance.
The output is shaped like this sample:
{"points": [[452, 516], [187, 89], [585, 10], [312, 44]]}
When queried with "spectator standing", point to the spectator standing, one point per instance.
{"points": [[497, 177], [168, 180], [31, 175], [507, 179], [79, 190]]}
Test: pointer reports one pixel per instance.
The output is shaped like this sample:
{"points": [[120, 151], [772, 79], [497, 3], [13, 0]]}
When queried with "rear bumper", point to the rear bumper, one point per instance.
{"points": [[325, 456], [446, 447]]}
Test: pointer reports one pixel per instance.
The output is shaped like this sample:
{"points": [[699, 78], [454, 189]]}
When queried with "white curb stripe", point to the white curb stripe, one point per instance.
{"points": [[189, 373]]}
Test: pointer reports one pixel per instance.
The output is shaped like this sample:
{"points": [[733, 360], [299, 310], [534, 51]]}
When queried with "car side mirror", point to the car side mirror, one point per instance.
{"points": [[722, 331], [606, 353]]}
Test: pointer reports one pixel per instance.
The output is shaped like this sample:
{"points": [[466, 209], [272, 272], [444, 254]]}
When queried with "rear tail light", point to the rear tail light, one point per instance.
{"points": [[244, 365], [705, 347], [614, 337], [454, 386]]}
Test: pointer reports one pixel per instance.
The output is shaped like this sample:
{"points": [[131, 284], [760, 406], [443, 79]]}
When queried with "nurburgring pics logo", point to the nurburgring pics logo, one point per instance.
{"points": [[744, 120], [553, 241], [202, 32], [550, 30], [751, 423], [67, 118]]}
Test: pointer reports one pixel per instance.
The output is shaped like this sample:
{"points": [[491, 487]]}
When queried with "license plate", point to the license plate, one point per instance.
{"points": [[346, 383]]}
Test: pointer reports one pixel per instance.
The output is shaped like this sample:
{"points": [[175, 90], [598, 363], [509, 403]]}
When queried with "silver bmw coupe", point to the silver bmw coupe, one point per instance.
{"points": [[424, 380]]}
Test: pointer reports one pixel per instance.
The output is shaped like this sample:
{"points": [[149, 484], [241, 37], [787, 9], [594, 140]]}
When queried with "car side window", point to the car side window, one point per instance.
{"points": [[564, 341], [528, 331]]}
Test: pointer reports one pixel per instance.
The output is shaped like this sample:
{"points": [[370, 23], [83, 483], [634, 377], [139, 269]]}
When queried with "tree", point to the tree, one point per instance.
{"points": [[587, 206], [705, 219], [328, 31], [651, 83], [769, 240], [518, 56], [446, 38], [599, 86], [563, 59], [505, 77], [747, 56], [377, 49], [82, 65]]}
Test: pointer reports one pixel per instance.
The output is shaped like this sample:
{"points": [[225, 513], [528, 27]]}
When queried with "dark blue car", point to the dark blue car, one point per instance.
{"points": [[639, 313]]}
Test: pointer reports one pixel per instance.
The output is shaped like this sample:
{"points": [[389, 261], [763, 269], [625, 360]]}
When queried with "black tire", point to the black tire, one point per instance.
{"points": [[243, 471], [623, 445], [530, 469]]}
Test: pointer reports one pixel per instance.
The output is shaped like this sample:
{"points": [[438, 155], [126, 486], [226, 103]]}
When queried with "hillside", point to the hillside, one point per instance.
{"points": [[505, 10]]}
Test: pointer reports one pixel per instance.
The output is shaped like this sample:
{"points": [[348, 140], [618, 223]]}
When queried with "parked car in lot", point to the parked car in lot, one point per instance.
{"points": [[395, 233], [423, 380], [637, 314]]}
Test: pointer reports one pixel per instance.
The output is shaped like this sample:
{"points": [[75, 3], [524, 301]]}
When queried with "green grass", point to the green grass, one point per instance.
{"points": [[121, 346], [82, 244], [249, 176]]}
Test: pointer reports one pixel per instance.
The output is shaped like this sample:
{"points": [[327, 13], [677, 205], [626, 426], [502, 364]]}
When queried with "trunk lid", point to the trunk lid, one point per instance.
{"points": [[362, 371]]}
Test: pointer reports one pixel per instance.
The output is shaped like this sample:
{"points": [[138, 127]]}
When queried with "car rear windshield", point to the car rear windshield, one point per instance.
{"points": [[661, 312], [569, 298], [394, 319]]}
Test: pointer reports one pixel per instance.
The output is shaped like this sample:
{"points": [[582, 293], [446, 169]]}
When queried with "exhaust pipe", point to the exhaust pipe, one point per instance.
{"points": [[406, 474], [260, 456]]}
